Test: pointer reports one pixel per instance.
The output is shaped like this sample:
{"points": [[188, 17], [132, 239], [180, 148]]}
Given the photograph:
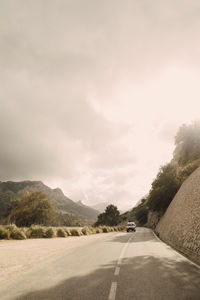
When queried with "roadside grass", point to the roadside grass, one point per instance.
{"points": [[61, 232], [12, 232]]}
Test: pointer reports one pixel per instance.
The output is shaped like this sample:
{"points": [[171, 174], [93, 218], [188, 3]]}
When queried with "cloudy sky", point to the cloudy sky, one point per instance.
{"points": [[93, 92]]}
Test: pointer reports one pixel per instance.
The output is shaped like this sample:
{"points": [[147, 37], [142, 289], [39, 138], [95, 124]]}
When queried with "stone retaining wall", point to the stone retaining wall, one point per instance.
{"points": [[180, 225]]}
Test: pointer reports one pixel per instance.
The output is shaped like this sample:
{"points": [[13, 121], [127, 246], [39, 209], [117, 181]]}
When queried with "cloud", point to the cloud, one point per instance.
{"points": [[93, 92]]}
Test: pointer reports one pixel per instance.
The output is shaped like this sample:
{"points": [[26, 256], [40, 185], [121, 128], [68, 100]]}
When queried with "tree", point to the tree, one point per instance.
{"points": [[33, 208], [164, 188], [141, 214], [110, 217], [186, 158]]}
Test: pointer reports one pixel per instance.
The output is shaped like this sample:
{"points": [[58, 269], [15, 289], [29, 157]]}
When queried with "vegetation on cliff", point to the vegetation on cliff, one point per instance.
{"points": [[186, 158]]}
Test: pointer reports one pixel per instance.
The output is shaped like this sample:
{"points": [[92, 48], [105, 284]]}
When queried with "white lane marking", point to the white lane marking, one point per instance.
{"points": [[113, 290], [117, 269], [191, 262], [123, 251]]}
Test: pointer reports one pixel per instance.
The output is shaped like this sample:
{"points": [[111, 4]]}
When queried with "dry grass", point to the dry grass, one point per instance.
{"points": [[37, 231]]}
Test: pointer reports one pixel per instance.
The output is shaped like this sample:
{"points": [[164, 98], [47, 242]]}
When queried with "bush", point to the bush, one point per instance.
{"points": [[36, 231], [85, 230], [75, 232], [67, 231], [105, 229], [17, 234], [13, 232], [92, 229], [88, 230], [3, 233], [61, 232], [49, 233], [120, 228]]}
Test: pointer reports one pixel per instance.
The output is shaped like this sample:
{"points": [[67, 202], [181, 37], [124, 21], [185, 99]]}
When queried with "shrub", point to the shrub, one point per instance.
{"points": [[88, 230], [92, 229], [49, 233], [17, 234], [61, 232], [68, 233], [85, 230], [13, 232], [75, 232], [120, 228], [36, 231], [105, 229], [3, 233]]}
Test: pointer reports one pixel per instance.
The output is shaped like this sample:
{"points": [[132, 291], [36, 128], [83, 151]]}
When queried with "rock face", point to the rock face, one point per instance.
{"points": [[180, 225]]}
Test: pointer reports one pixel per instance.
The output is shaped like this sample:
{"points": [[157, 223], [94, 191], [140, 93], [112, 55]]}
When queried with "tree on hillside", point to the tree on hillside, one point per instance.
{"points": [[33, 208], [186, 158], [141, 214], [110, 217], [164, 188]]}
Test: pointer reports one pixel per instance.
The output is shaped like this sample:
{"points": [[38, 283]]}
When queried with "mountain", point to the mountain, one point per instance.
{"points": [[10, 190], [100, 206], [80, 203]]}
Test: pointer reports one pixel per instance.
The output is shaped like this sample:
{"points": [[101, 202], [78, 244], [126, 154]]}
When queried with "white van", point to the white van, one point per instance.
{"points": [[130, 226]]}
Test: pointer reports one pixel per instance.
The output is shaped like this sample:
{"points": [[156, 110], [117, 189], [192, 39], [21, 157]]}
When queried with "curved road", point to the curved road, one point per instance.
{"points": [[121, 266]]}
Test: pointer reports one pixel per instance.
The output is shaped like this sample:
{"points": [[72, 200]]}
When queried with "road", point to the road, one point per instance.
{"points": [[121, 266]]}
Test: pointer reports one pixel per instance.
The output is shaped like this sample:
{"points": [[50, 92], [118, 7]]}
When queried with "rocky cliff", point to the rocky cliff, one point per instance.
{"points": [[180, 225]]}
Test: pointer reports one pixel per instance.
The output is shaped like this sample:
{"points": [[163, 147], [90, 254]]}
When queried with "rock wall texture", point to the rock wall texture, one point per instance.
{"points": [[153, 219], [180, 225]]}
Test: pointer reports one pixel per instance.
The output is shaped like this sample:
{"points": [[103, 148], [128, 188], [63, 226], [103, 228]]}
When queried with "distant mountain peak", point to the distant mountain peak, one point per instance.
{"points": [[62, 203], [80, 203]]}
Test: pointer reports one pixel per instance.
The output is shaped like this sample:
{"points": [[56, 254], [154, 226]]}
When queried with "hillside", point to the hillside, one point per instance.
{"points": [[10, 190], [100, 206], [180, 225]]}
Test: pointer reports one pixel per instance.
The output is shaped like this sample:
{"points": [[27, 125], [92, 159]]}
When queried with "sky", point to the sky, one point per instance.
{"points": [[92, 92]]}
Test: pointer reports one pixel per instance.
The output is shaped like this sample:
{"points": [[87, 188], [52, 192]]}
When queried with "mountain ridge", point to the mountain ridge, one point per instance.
{"points": [[16, 189]]}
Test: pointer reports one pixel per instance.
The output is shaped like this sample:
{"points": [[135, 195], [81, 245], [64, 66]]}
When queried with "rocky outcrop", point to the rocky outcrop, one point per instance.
{"points": [[180, 225]]}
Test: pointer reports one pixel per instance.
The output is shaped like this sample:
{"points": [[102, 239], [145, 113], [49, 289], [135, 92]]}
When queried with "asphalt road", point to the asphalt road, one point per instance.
{"points": [[121, 266]]}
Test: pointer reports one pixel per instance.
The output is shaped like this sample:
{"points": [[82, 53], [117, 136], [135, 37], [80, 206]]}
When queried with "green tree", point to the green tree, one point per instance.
{"points": [[33, 208], [164, 188], [186, 158], [110, 217], [141, 214]]}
